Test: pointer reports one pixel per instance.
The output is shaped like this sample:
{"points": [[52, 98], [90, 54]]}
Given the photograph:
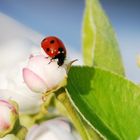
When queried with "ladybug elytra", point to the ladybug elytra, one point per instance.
{"points": [[54, 48]]}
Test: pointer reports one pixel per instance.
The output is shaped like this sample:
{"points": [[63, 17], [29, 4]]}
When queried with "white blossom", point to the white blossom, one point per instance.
{"points": [[55, 129], [43, 74]]}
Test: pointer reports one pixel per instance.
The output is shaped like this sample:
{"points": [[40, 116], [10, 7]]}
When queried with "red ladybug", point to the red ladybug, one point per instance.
{"points": [[55, 48]]}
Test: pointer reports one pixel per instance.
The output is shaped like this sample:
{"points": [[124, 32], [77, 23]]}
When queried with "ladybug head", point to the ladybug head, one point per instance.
{"points": [[53, 46]]}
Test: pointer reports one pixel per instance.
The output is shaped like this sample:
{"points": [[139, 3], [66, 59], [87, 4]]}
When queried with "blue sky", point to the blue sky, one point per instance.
{"points": [[49, 17], [64, 19]]}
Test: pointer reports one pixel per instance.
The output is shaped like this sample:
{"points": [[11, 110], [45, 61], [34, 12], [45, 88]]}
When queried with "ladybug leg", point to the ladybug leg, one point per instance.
{"points": [[50, 60]]}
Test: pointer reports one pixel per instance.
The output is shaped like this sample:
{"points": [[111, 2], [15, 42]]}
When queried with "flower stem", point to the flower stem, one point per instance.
{"points": [[19, 131], [22, 133], [64, 99], [44, 108]]}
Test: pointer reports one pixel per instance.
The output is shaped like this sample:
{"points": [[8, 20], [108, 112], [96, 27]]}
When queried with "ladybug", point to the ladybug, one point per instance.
{"points": [[54, 48]]}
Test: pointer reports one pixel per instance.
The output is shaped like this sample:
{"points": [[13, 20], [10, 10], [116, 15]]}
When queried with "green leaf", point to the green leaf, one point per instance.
{"points": [[107, 101], [100, 47]]}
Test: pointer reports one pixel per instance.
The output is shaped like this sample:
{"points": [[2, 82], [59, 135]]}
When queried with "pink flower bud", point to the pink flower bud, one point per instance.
{"points": [[55, 129], [42, 74], [8, 116]]}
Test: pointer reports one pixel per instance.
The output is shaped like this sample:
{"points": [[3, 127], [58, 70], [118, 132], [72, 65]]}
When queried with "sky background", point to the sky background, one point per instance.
{"points": [[63, 18]]}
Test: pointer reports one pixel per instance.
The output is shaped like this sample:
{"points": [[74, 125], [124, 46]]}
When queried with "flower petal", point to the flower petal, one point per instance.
{"points": [[9, 137], [28, 101], [50, 130], [33, 81]]}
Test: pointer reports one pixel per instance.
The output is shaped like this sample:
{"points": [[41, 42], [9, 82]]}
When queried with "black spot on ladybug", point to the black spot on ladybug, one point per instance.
{"points": [[60, 49], [52, 41], [48, 49]]}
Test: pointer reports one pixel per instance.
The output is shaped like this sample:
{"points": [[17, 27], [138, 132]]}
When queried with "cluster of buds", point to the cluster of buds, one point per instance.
{"points": [[42, 74]]}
